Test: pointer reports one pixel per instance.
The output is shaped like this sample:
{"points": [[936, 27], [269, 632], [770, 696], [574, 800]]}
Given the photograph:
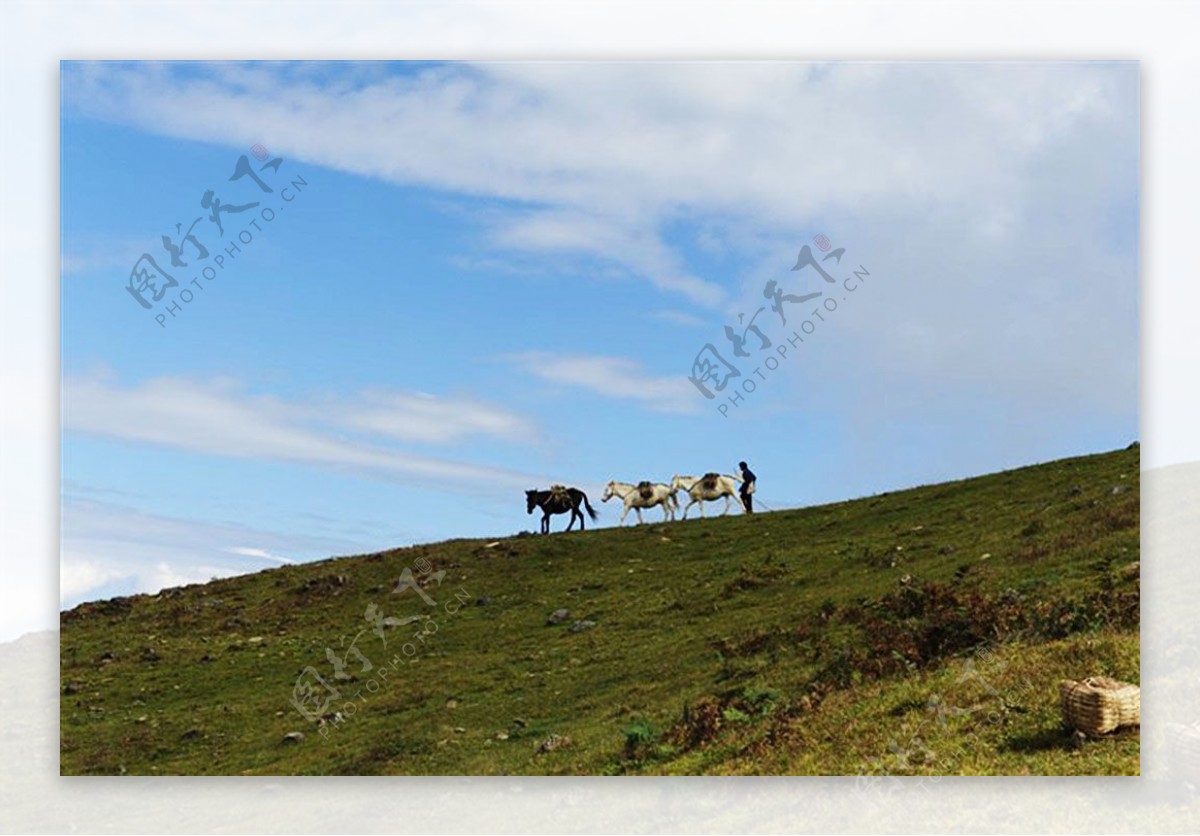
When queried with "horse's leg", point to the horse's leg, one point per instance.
{"points": [[546, 522], [624, 513], [638, 509], [726, 511]]}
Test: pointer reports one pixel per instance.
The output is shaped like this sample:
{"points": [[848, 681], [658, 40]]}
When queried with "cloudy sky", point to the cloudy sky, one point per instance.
{"points": [[481, 278]]}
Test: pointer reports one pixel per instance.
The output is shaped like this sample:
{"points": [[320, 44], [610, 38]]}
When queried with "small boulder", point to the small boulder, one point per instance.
{"points": [[554, 741], [293, 737], [580, 626], [558, 617]]}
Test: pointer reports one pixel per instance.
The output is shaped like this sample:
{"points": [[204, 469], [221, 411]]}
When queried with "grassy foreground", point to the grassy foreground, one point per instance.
{"points": [[922, 631]]}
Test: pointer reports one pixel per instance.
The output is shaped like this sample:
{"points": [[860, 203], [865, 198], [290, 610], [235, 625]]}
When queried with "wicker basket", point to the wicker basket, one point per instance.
{"points": [[1099, 705]]}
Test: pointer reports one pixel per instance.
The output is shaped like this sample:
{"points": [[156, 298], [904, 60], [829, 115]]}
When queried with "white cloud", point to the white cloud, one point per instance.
{"points": [[219, 417], [612, 239], [99, 254], [117, 549], [995, 204], [79, 577], [163, 575], [605, 156], [259, 554], [613, 377], [988, 194], [423, 417], [679, 318]]}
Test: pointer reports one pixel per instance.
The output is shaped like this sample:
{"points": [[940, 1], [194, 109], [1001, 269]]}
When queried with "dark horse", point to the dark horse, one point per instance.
{"points": [[559, 501]]}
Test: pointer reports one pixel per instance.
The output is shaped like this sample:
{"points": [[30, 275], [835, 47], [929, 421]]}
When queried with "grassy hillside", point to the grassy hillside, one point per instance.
{"points": [[917, 632]]}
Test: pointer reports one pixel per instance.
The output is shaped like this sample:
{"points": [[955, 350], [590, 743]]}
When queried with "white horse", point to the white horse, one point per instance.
{"points": [[706, 488], [636, 498]]}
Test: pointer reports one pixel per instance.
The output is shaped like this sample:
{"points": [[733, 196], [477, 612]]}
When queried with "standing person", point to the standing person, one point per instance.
{"points": [[746, 491]]}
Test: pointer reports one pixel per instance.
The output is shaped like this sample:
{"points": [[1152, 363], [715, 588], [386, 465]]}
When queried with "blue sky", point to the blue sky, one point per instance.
{"points": [[497, 276]]}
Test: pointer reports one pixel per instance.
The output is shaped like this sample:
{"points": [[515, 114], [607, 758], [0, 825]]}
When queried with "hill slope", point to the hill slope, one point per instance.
{"points": [[920, 631]]}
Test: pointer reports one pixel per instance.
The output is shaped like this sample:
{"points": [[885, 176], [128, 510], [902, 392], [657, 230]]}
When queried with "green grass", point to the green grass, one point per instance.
{"points": [[806, 641]]}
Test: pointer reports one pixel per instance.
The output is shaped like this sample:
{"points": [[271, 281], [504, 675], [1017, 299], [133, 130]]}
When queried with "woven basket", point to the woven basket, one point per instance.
{"points": [[1099, 705]]}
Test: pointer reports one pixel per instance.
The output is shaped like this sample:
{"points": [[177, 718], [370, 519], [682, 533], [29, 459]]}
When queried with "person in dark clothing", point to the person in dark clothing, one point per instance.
{"points": [[746, 491]]}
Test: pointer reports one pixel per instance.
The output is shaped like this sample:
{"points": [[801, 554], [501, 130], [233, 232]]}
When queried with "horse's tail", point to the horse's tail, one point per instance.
{"points": [[591, 511]]}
